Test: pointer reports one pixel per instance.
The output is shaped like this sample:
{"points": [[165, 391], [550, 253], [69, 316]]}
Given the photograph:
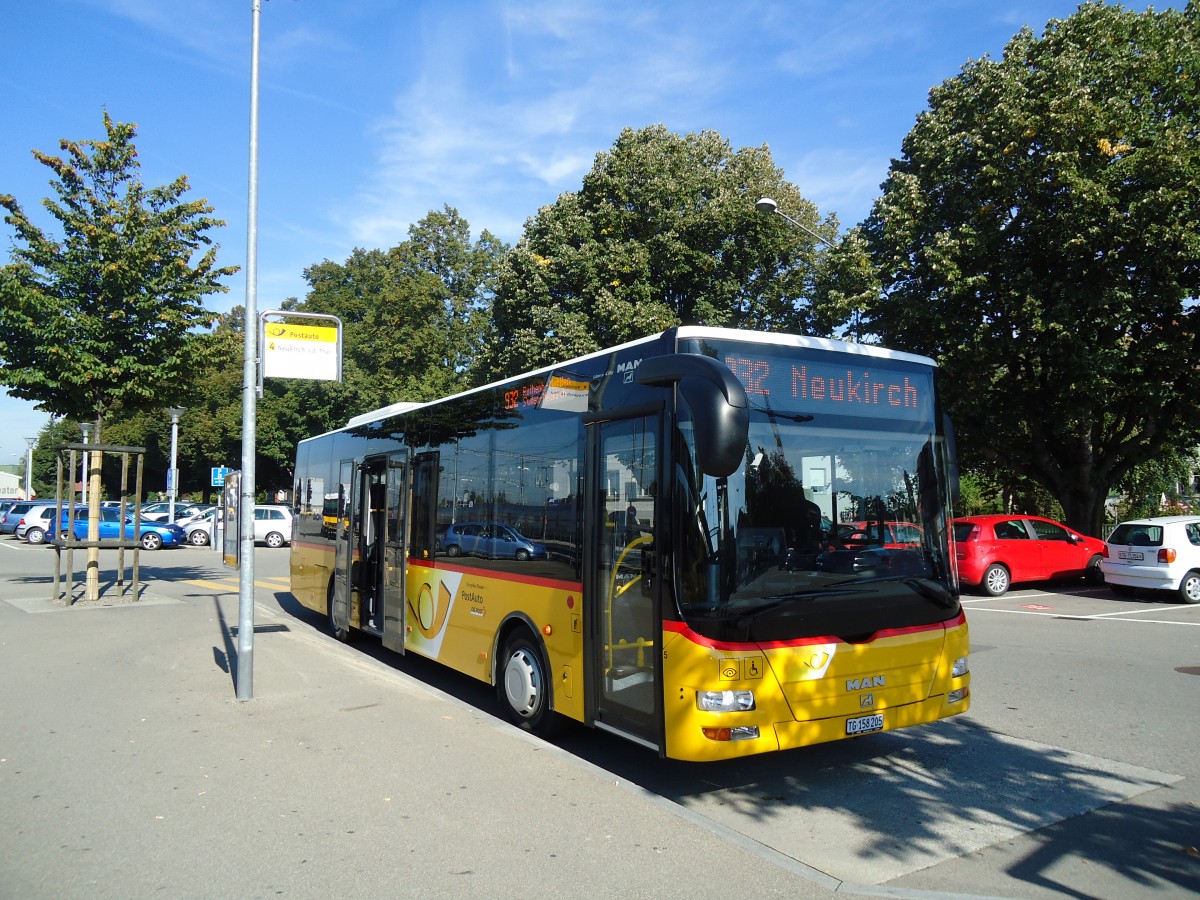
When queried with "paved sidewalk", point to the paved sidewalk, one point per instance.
{"points": [[128, 769]]}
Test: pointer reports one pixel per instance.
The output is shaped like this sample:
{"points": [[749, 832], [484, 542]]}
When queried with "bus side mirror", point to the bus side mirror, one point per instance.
{"points": [[718, 402]]}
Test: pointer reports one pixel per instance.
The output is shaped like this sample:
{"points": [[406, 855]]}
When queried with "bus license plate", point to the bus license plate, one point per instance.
{"points": [[1129, 554], [864, 724]]}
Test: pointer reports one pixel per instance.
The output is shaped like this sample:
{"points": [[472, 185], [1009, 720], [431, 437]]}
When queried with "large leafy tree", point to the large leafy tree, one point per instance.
{"points": [[663, 231], [413, 320], [103, 315], [1041, 236], [415, 316]]}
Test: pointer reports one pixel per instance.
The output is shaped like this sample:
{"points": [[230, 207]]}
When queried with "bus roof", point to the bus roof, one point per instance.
{"points": [[679, 332]]}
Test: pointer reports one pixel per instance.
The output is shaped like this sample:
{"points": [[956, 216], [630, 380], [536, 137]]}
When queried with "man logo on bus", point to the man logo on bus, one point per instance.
{"points": [[871, 681]]}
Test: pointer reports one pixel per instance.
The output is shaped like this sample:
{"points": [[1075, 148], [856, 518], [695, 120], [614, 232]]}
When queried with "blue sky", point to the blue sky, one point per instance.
{"points": [[374, 112]]}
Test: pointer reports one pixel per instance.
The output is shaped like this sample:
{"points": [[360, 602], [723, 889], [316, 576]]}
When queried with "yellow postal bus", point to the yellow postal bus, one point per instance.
{"points": [[681, 540]]}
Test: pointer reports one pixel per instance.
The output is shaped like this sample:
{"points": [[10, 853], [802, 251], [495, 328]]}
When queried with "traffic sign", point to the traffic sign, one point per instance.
{"points": [[218, 476]]}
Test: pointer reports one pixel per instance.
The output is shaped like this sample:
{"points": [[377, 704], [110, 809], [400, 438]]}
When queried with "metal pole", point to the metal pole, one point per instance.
{"points": [[173, 472], [29, 442], [245, 646], [87, 434]]}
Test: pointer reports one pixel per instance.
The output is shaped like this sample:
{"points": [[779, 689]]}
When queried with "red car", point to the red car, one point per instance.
{"points": [[996, 551], [894, 534]]}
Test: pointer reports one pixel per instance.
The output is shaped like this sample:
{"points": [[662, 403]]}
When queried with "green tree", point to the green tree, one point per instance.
{"points": [[1145, 486], [414, 318], [1041, 236], [104, 316], [663, 231]]}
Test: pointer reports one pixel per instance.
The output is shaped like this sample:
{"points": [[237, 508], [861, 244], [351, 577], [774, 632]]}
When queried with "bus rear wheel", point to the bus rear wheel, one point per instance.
{"points": [[523, 686]]}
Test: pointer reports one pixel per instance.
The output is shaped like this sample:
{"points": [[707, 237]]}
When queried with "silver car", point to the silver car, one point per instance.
{"points": [[37, 525], [272, 526], [12, 517]]}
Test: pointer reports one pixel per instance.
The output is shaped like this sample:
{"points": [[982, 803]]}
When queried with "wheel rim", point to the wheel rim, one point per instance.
{"points": [[523, 683], [997, 580], [199, 538], [274, 540], [1191, 588], [35, 535], [151, 542]]}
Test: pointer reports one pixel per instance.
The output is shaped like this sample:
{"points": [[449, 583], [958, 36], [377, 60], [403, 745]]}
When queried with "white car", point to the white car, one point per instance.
{"points": [[1161, 554], [272, 526]]}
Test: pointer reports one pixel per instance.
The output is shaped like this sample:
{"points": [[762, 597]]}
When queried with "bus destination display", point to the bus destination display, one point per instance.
{"points": [[851, 389]]}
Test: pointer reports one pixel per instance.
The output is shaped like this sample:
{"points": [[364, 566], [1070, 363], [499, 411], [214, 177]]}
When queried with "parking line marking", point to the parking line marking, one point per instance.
{"points": [[1084, 618], [231, 587]]}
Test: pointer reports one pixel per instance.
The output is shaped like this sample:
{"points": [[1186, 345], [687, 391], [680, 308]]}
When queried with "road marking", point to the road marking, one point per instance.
{"points": [[1084, 617], [232, 586]]}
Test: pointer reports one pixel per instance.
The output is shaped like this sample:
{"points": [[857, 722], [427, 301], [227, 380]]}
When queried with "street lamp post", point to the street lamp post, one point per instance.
{"points": [[29, 442], [767, 206], [173, 472], [87, 439]]}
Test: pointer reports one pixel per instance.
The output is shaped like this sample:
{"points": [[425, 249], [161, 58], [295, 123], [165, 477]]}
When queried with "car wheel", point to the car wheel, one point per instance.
{"points": [[1122, 590], [151, 541], [1092, 573], [198, 538], [454, 550], [1189, 588], [523, 686], [522, 555], [274, 539], [35, 535], [995, 580]]}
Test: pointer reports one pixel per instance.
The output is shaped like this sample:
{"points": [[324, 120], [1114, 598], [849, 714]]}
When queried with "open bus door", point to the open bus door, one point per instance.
{"points": [[339, 601], [371, 550], [395, 553], [624, 590]]}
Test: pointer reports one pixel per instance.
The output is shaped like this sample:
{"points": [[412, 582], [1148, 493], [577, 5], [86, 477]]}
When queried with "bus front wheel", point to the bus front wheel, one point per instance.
{"points": [[339, 634], [523, 686]]}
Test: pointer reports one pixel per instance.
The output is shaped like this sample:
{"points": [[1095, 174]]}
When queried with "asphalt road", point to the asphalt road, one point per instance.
{"points": [[1076, 772]]}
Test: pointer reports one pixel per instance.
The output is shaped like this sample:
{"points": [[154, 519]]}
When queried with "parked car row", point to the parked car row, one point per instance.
{"points": [[993, 552], [1153, 554], [33, 522]]}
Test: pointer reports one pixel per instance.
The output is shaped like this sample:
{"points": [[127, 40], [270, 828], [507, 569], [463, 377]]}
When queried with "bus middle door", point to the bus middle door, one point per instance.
{"points": [[395, 553]]}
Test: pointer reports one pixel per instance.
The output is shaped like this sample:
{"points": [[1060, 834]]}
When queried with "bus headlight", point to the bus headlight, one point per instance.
{"points": [[725, 701], [960, 668]]}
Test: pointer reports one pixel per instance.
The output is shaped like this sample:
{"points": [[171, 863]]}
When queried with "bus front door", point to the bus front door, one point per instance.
{"points": [[624, 590]]}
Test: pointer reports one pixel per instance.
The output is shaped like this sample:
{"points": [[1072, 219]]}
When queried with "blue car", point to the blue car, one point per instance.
{"points": [[152, 535], [493, 540]]}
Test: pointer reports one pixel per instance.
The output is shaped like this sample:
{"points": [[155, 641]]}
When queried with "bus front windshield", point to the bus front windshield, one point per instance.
{"points": [[831, 526]]}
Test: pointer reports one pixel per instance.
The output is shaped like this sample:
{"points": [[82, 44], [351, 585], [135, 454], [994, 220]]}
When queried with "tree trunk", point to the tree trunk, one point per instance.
{"points": [[1084, 510]]}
